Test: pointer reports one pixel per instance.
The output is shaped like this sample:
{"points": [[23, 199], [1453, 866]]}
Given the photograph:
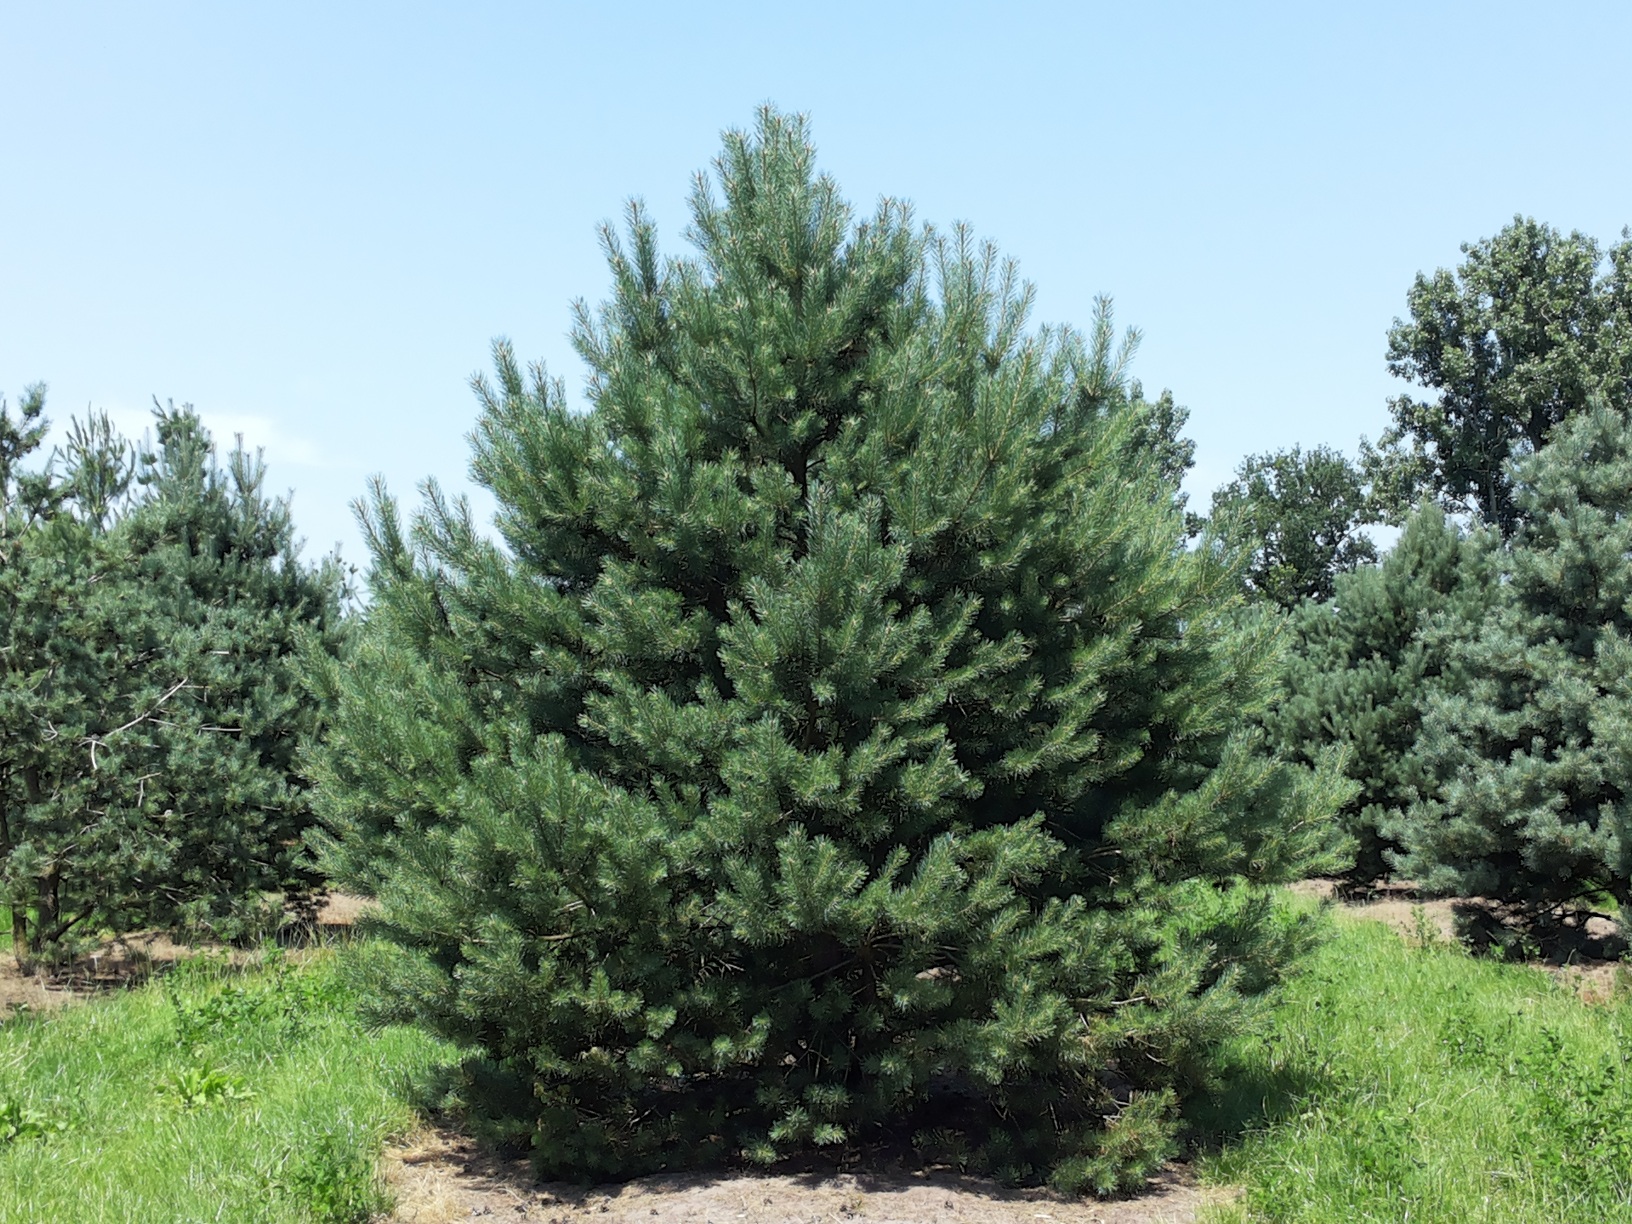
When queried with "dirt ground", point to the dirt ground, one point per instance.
{"points": [[126, 962], [441, 1177], [1592, 968]]}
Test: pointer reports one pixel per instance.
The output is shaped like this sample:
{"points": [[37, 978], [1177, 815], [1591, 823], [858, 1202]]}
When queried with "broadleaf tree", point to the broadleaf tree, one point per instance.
{"points": [[1300, 516], [1518, 338], [839, 738]]}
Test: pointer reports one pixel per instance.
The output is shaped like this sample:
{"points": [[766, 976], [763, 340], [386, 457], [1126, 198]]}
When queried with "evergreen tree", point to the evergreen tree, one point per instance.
{"points": [[1362, 666], [1514, 341], [841, 735], [75, 682], [1532, 748], [147, 693], [219, 562], [1299, 516]]}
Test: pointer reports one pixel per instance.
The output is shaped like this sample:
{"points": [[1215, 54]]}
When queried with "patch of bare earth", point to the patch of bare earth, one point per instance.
{"points": [[135, 958], [440, 1177], [1585, 957]]}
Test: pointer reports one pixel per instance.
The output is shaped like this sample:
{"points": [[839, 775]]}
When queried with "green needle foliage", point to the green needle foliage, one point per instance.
{"points": [[150, 611], [1363, 665], [840, 739], [1532, 747]]}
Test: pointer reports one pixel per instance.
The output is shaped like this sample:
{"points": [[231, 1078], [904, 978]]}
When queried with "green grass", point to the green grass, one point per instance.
{"points": [[1420, 1084], [212, 1095], [1396, 1083]]}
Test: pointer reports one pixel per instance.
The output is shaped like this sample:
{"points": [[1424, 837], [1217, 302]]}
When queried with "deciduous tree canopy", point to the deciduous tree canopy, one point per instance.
{"points": [[1514, 341]]}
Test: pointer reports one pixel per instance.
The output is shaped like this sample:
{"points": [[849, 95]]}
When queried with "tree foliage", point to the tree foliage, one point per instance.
{"points": [[1362, 667], [1517, 339], [1532, 747], [1298, 514], [150, 608], [840, 736]]}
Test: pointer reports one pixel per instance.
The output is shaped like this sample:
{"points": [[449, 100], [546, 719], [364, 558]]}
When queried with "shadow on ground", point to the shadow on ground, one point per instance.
{"points": [[440, 1177]]}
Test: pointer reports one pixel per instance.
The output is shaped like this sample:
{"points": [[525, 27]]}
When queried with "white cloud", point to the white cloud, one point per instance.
{"points": [[258, 432]]}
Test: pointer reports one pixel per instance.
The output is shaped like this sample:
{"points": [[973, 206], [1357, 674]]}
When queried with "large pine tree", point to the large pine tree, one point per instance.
{"points": [[1534, 747], [840, 734]]}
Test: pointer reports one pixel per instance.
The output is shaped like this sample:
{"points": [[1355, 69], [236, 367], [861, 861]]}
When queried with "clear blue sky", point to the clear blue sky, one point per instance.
{"points": [[310, 220]]}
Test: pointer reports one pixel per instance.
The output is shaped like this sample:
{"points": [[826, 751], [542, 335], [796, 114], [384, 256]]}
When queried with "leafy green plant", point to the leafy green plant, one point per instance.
{"points": [[1577, 1126], [198, 1087], [19, 1121], [276, 1003], [334, 1179]]}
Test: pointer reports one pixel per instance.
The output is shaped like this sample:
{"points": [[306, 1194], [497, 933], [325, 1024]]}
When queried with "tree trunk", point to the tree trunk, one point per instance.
{"points": [[48, 913], [19, 936]]}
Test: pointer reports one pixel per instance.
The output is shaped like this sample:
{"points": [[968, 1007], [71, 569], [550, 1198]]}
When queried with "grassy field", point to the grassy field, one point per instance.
{"points": [[213, 1095], [1410, 1083], [1397, 1083]]}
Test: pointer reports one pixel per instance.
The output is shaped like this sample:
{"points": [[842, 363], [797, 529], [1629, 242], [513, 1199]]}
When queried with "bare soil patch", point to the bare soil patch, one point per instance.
{"points": [[1584, 955], [133, 959], [440, 1177]]}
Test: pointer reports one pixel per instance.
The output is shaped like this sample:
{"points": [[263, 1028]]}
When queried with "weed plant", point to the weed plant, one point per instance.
{"points": [[216, 1094], [1411, 1081]]}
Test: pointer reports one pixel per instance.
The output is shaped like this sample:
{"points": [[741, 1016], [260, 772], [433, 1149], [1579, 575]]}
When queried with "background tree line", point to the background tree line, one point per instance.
{"points": [[1475, 676]]}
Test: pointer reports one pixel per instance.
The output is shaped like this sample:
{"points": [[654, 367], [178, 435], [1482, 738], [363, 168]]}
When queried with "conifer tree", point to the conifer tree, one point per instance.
{"points": [[219, 562], [147, 691], [1362, 666], [840, 736], [73, 667], [1532, 748]]}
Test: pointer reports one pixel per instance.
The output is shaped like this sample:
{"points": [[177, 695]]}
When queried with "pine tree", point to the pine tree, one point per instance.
{"points": [[840, 737], [74, 670], [147, 687], [1533, 747], [218, 559], [1362, 666]]}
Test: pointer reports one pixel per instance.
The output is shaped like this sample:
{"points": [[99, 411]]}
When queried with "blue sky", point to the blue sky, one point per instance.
{"points": [[310, 220]]}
